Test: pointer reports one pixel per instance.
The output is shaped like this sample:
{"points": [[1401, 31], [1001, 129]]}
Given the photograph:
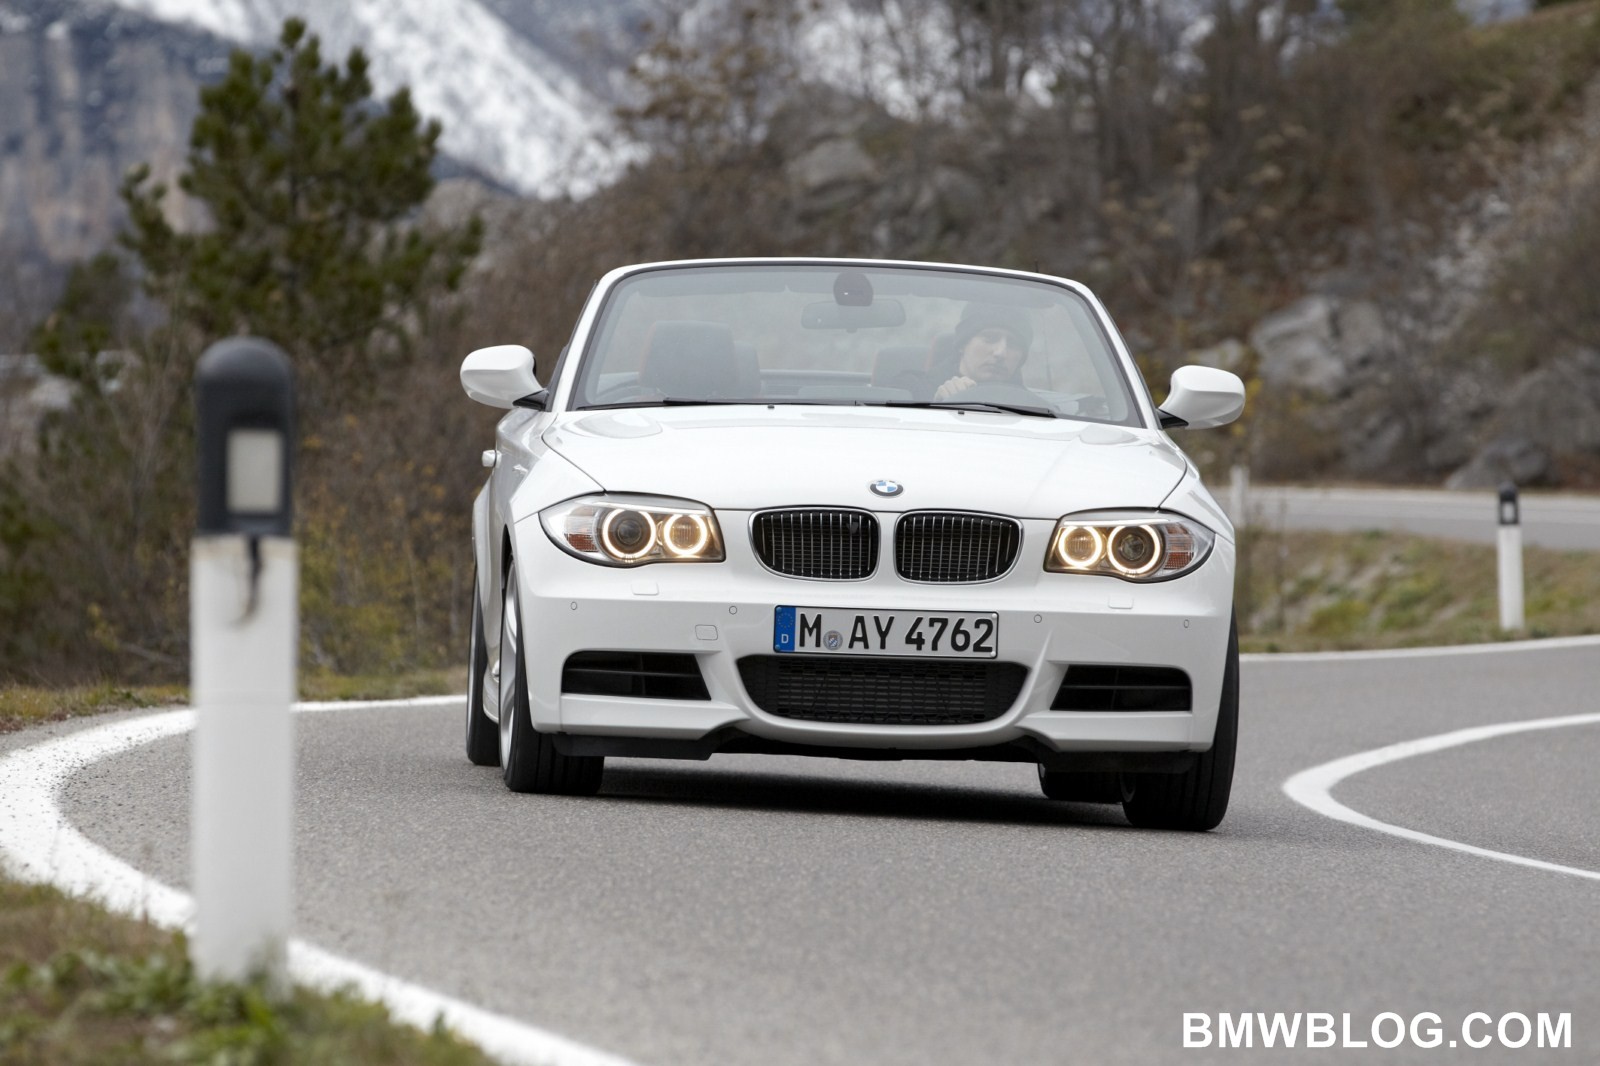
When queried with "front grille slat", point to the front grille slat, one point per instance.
{"points": [[954, 548], [830, 544], [881, 691]]}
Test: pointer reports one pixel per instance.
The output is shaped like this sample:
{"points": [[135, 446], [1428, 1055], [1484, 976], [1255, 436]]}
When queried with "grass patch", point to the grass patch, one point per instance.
{"points": [[1340, 591], [23, 705], [79, 985], [323, 686]]}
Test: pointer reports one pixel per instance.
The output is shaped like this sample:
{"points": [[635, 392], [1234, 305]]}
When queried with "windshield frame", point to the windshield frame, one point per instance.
{"points": [[587, 333]]}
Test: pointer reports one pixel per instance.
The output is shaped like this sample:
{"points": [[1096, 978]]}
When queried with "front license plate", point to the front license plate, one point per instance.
{"points": [[924, 634]]}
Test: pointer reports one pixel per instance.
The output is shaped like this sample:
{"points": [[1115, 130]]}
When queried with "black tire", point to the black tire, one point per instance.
{"points": [[1091, 787], [1197, 799], [529, 761], [483, 737]]}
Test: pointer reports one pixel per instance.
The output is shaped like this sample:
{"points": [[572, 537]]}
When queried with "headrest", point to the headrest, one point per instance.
{"points": [[898, 360], [691, 360]]}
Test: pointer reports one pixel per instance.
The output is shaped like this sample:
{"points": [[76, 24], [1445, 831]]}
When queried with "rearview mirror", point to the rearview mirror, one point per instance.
{"points": [[499, 376], [1201, 397], [826, 314]]}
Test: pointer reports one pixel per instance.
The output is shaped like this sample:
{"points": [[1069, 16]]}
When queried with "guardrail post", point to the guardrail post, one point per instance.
{"points": [[1510, 568], [244, 625]]}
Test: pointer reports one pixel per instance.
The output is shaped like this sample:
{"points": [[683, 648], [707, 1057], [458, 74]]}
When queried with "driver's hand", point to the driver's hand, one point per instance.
{"points": [[954, 387]]}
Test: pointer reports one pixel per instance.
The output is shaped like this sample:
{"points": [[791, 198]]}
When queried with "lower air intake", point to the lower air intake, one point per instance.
{"points": [[645, 675], [1123, 688], [881, 691]]}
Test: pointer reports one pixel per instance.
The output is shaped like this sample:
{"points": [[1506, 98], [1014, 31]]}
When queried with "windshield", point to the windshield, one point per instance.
{"points": [[897, 336]]}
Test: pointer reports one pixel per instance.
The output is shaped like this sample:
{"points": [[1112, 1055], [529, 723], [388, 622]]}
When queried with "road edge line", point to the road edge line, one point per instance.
{"points": [[39, 845]]}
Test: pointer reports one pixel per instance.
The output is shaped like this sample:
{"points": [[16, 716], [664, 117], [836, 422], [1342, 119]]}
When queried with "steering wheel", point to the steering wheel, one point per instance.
{"points": [[622, 393], [1094, 407], [1000, 392]]}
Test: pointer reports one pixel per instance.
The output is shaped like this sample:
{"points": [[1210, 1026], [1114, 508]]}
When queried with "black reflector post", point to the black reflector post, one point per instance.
{"points": [[244, 624], [1510, 552], [244, 396], [1510, 509]]}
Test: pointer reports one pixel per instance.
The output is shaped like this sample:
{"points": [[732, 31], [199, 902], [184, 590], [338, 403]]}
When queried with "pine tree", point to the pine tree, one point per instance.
{"points": [[310, 190], [310, 186]]}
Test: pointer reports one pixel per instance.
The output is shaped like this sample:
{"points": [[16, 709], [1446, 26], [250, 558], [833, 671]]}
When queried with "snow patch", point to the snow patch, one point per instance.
{"points": [[506, 107]]}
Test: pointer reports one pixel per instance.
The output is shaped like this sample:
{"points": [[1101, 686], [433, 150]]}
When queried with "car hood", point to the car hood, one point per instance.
{"points": [[748, 458]]}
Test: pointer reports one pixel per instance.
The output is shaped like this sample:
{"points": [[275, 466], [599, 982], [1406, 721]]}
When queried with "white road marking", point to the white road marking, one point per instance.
{"points": [[38, 844], [1313, 787]]}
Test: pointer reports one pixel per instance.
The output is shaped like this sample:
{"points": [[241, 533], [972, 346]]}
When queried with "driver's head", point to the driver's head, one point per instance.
{"points": [[992, 341]]}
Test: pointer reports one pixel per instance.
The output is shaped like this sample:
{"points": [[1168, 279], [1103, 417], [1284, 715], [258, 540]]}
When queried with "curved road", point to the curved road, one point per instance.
{"points": [[755, 910], [759, 910]]}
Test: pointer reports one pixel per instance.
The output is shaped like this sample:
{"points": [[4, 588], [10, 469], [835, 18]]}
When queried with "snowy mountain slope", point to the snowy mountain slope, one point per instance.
{"points": [[507, 107]]}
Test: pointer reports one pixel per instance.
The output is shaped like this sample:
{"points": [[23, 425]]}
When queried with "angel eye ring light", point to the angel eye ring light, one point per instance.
{"points": [[1116, 538], [610, 544], [702, 533], [1135, 546], [634, 530], [1080, 560]]}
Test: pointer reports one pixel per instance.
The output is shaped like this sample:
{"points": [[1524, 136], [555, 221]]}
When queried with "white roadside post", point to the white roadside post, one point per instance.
{"points": [[1239, 495], [243, 632], [1511, 616]]}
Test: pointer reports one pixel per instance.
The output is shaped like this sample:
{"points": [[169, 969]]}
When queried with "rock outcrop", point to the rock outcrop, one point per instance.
{"points": [[89, 91], [1319, 343]]}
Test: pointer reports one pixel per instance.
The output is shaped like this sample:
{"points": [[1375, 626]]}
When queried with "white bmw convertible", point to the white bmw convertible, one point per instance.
{"points": [[853, 509]]}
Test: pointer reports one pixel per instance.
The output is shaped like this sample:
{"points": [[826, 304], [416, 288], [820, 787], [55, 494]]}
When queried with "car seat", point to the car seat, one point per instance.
{"points": [[691, 361]]}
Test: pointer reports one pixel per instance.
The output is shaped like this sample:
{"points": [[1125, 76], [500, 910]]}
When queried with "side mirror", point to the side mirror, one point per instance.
{"points": [[499, 376], [1201, 397]]}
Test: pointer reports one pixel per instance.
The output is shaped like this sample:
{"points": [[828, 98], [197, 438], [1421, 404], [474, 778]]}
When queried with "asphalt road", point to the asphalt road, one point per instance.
{"points": [[758, 910]]}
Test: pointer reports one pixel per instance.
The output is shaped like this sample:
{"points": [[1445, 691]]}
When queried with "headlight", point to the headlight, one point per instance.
{"points": [[1137, 546], [634, 530]]}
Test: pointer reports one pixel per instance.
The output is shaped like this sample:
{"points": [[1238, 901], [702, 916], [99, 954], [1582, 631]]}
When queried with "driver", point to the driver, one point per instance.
{"points": [[991, 343]]}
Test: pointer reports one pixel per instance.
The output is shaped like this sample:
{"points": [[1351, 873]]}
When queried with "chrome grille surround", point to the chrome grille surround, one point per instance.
{"points": [[955, 547], [820, 543]]}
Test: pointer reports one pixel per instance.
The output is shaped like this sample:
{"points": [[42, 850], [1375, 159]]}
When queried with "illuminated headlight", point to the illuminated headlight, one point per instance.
{"points": [[634, 530], [1134, 546]]}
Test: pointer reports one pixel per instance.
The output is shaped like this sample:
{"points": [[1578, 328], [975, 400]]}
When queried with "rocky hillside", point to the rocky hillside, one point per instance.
{"points": [[1459, 372], [1389, 225], [88, 91], [89, 88], [1375, 221], [509, 106]]}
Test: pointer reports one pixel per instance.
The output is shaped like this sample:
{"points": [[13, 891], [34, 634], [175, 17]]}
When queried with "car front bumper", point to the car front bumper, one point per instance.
{"points": [[722, 612]]}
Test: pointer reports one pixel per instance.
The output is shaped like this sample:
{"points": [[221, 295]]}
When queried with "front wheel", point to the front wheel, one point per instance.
{"points": [[1198, 798], [483, 742], [529, 760]]}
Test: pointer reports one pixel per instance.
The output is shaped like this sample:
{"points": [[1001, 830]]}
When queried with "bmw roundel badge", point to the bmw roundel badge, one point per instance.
{"points": [[887, 488]]}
